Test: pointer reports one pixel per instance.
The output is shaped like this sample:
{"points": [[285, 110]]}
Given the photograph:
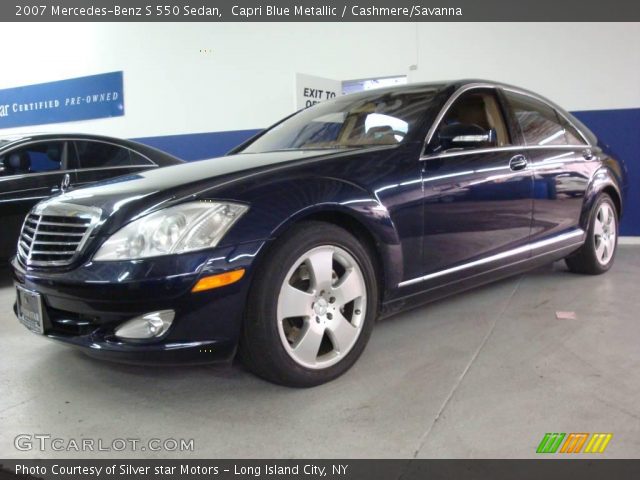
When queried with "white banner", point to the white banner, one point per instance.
{"points": [[311, 90]]}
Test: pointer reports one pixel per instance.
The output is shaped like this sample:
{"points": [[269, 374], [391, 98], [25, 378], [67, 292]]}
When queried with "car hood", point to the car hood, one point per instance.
{"points": [[156, 188]]}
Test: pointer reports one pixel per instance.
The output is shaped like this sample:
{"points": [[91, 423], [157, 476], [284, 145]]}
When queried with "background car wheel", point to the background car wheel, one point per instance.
{"points": [[312, 307], [597, 254]]}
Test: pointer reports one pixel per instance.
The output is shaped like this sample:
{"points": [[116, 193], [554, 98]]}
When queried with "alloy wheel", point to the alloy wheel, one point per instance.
{"points": [[604, 233], [321, 307]]}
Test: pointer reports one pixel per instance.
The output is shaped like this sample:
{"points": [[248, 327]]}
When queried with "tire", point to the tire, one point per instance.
{"points": [[298, 305], [599, 249]]}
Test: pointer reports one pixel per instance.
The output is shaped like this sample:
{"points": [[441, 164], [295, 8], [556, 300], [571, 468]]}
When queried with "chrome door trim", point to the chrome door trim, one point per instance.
{"points": [[530, 247], [509, 148], [22, 199], [76, 170]]}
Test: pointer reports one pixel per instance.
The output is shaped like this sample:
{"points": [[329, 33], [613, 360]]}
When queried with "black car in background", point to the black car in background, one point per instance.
{"points": [[34, 167]]}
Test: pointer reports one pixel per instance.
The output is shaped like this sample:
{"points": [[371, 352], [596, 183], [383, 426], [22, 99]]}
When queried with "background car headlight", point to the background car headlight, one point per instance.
{"points": [[183, 228]]}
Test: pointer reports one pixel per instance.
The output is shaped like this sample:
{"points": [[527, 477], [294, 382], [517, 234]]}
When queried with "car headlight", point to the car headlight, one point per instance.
{"points": [[183, 228]]}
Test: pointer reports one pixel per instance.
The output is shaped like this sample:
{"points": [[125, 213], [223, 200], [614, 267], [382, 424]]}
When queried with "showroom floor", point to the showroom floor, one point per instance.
{"points": [[483, 374]]}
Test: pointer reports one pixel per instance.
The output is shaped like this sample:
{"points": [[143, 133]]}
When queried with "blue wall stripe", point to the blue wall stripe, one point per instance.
{"points": [[197, 146], [619, 129]]}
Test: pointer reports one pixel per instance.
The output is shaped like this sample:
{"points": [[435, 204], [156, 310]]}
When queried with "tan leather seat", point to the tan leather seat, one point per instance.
{"points": [[479, 109]]}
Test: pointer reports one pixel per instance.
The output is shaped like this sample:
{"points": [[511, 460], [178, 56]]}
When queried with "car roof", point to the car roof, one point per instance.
{"points": [[440, 86]]}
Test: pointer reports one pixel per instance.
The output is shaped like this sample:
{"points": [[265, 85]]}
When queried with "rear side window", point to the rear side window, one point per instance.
{"points": [[138, 159], [541, 124], [572, 134], [101, 155]]}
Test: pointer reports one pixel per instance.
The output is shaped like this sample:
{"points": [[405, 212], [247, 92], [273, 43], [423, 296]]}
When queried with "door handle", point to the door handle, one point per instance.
{"points": [[519, 162]]}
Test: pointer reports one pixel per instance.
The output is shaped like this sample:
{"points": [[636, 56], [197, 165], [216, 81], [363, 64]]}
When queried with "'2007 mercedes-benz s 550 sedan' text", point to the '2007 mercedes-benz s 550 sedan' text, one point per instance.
{"points": [[286, 250]]}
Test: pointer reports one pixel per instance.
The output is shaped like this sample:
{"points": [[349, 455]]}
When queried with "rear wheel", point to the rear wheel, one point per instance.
{"points": [[312, 307], [597, 254]]}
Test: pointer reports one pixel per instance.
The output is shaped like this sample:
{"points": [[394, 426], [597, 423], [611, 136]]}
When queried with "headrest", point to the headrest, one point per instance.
{"points": [[19, 162]]}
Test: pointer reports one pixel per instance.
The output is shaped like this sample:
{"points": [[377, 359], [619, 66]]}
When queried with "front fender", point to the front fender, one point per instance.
{"points": [[278, 204]]}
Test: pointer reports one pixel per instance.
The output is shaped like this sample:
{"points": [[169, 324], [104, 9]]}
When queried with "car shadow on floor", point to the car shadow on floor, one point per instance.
{"points": [[207, 379], [70, 367]]}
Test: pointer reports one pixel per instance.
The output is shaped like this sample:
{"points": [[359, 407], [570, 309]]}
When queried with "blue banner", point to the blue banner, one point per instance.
{"points": [[83, 98]]}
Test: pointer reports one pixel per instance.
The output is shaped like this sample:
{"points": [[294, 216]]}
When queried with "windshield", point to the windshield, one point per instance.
{"points": [[359, 120]]}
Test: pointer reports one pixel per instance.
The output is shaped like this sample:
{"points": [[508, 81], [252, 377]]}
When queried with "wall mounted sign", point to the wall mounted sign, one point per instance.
{"points": [[311, 90], [83, 98]]}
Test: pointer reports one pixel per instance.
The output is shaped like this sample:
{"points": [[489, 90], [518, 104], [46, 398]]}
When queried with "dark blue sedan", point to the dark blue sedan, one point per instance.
{"points": [[288, 249]]}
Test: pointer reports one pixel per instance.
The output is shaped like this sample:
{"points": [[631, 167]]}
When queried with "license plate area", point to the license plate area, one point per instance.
{"points": [[30, 311]]}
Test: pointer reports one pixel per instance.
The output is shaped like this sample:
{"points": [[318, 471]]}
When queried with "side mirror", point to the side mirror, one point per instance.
{"points": [[461, 135]]}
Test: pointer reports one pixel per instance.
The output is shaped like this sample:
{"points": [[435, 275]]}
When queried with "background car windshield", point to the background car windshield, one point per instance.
{"points": [[385, 118]]}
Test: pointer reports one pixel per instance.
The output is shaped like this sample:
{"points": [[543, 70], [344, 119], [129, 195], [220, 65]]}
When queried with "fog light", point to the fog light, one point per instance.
{"points": [[150, 325]]}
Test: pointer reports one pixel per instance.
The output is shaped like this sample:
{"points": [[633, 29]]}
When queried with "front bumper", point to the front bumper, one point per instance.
{"points": [[84, 306]]}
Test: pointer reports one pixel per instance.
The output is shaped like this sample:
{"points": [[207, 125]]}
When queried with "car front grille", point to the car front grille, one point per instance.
{"points": [[53, 234]]}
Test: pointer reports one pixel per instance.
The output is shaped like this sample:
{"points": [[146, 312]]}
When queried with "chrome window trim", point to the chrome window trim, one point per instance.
{"points": [[151, 162], [22, 199], [75, 170], [488, 86], [530, 247]]}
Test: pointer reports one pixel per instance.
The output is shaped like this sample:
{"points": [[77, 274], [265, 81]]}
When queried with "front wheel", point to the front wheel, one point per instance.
{"points": [[597, 254], [312, 307]]}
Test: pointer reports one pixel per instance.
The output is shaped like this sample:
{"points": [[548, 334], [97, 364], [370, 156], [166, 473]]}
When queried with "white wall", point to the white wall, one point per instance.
{"points": [[247, 81], [582, 66]]}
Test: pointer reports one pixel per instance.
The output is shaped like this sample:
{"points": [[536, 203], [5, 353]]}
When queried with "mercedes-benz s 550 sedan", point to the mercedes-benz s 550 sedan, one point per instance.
{"points": [[288, 249]]}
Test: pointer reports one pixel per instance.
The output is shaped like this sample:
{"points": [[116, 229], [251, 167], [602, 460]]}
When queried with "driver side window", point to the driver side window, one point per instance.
{"points": [[474, 121]]}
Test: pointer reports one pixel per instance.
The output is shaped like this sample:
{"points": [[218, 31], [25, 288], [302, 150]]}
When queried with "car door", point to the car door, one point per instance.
{"points": [[560, 158], [30, 172], [100, 160], [477, 198]]}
